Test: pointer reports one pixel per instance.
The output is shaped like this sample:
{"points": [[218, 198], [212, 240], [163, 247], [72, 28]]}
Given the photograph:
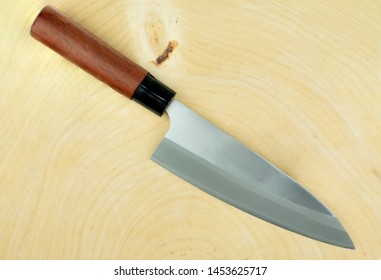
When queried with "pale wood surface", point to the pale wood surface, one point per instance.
{"points": [[298, 81]]}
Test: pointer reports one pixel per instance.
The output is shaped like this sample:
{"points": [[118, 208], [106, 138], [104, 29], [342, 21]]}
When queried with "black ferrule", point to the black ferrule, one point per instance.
{"points": [[153, 94]]}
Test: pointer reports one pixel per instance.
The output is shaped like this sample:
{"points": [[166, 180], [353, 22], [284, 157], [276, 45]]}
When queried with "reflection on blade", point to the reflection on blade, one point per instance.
{"points": [[207, 157]]}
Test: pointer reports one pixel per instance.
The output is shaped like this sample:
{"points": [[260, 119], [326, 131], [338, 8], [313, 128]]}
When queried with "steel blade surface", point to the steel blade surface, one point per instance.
{"points": [[202, 154]]}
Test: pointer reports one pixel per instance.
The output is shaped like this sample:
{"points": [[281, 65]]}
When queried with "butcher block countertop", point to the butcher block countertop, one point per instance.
{"points": [[297, 81]]}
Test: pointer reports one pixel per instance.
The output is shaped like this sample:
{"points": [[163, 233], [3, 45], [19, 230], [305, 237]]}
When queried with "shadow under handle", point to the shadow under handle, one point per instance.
{"points": [[69, 39]]}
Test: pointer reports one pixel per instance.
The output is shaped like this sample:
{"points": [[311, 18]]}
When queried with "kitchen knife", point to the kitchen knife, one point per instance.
{"points": [[193, 148]]}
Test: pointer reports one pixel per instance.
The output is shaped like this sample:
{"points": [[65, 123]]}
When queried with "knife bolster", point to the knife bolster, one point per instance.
{"points": [[153, 94]]}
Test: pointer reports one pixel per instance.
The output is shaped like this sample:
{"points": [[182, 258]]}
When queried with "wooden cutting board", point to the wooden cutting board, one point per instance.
{"points": [[297, 81]]}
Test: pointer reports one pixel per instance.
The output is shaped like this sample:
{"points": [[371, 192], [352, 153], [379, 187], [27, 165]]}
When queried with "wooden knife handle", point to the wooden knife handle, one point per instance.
{"points": [[66, 37]]}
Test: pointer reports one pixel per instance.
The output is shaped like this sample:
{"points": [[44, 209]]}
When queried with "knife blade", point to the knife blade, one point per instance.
{"points": [[193, 148]]}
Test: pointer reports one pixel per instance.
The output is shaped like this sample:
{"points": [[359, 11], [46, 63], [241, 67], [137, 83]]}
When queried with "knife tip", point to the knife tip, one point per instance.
{"points": [[351, 245], [347, 242]]}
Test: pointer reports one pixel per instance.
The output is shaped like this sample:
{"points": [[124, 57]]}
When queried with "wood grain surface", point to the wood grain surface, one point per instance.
{"points": [[297, 81]]}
